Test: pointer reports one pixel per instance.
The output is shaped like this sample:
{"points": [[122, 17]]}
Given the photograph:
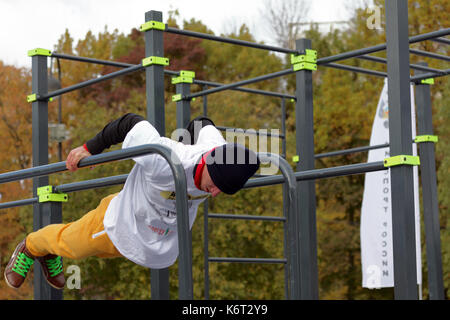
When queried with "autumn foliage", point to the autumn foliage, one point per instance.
{"points": [[344, 104]]}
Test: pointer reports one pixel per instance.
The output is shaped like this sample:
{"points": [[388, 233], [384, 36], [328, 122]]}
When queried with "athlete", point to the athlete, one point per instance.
{"points": [[139, 222]]}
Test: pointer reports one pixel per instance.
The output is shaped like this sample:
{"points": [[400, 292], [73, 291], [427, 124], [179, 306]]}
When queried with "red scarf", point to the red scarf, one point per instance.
{"points": [[199, 170]]}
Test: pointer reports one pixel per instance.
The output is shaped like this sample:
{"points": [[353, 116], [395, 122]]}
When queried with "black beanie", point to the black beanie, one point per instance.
{"points": [[230, 166]]}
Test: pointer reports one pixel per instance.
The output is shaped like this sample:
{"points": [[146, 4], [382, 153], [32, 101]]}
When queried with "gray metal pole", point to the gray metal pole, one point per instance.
{"points": [[306, 189], [43, 214], [429, 192], [183, 106], [154, 75], [154, 46], [402, 186]]}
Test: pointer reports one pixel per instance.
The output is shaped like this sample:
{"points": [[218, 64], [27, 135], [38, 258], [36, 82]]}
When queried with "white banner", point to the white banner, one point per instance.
{"points": [[376, 215]]}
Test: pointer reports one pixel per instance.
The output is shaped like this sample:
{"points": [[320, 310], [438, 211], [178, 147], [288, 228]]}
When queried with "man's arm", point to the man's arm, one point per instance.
{"points": [[113, 133]]}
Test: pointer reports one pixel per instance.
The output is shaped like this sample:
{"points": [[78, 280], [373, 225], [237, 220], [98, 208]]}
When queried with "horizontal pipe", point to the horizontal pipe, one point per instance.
{"points": [[91, 60], [352, 150], [319, 174], [86, 162], [246, 260], [380, 47], [356, 69], [429, 54], [239, 83], [245, 217], [423, 76], [92, 184], [247, 131], [18, 203], [441, 40], [228, 40], [77, 86], [412, 66], [249, 90]]}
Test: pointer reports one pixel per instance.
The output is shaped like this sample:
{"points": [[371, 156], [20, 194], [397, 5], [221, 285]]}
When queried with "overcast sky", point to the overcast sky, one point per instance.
{"points": [[28, 24]]}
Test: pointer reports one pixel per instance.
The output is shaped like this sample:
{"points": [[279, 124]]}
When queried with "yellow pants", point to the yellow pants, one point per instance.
{"points": [[76, 240]]}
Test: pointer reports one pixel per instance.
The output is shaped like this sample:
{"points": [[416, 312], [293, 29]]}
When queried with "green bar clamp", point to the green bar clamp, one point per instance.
{"points": [[309, 56], [184, 77], [426, 138], [47, 193], [427, 81], [39, 52], [307, 61], [402, 160], [296, 158], [182, 80], [176, 97], [32, 97], [185, 73], [153, 25], [305, 66], [155, 60]]}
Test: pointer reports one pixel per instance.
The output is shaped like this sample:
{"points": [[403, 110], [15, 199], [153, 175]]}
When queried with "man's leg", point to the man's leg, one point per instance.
{"points": [[82, 238], [75, 240]]}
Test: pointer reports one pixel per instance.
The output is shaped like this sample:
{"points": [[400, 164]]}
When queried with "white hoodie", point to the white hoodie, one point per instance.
{"points": [[141, 219]]}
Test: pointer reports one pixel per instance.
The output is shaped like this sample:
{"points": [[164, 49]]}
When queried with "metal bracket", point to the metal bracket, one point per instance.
{"points": [[39, 52], [184, 77], [155, 60], [426, 138], [177, 97], [47, 194], [427, 81], [34, 97], [153, 25], [402, 160], [307, 61]]}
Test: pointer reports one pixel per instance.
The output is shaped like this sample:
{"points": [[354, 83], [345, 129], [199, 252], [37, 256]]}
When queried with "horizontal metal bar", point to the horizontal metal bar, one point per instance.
{"points": [[18, 203], [355, 69], [92, 184], [247, 131], [429, 54], [412, 66], [245, 217], [246, 260], [240, 83], [422, 76], [249, 90], [227, 40], [91, 82], [91, 60], [380, 47], [441, 40], [319, 174], [86, 162], [352, 150]]}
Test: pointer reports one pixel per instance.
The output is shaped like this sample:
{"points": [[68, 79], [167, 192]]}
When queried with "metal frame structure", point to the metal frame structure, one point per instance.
{"points": [[298, 198]]}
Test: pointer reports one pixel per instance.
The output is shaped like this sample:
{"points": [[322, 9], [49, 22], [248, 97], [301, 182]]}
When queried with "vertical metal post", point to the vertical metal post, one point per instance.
{"points": [[205, 217], [283, 126], [306, 189], [429, 191], [154, 46], [285, 194], [43, 214], [400, 137], [183, 106]]}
